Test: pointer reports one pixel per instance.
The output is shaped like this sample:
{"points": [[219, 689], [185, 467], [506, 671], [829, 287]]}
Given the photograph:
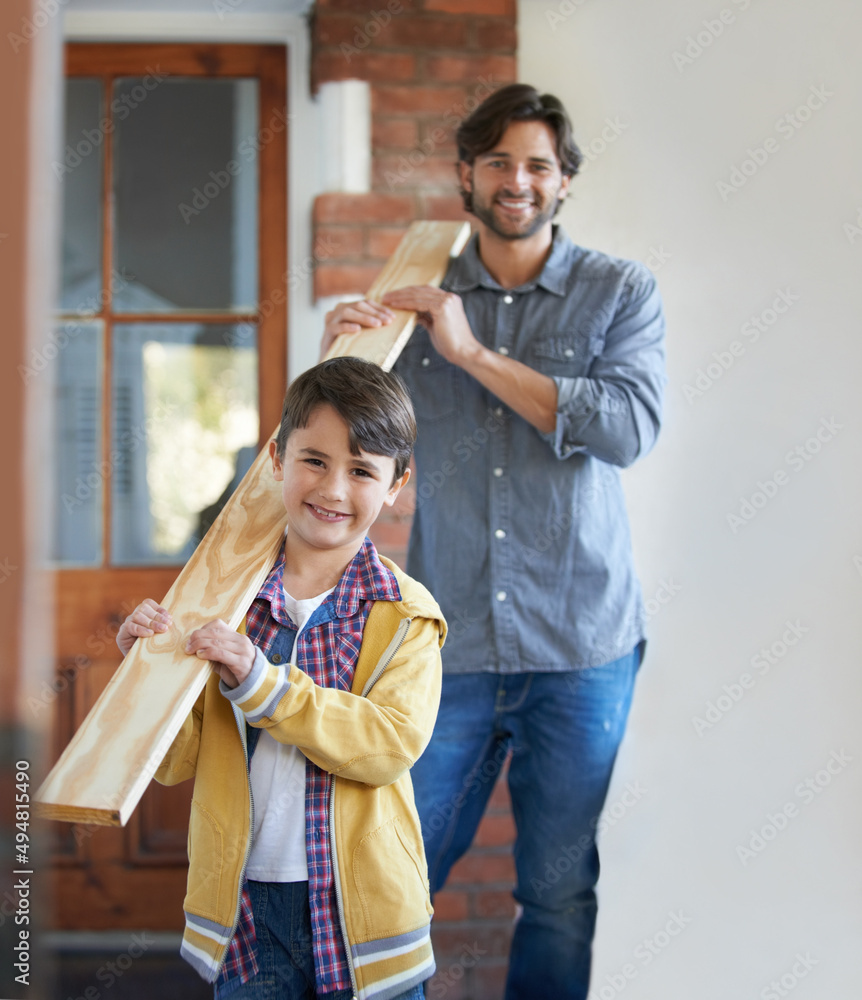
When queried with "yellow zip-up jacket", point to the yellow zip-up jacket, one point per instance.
{"points": [[368, 743]]}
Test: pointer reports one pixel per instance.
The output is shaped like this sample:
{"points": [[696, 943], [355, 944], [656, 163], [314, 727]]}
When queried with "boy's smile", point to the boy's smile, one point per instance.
{"points": [[331, 496]]}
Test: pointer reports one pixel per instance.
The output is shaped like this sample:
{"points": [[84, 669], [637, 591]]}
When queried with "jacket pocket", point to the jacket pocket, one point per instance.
{"points": [[206, 855], [391, 879]]}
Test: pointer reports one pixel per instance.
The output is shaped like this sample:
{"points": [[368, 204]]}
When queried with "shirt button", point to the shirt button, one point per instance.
{"points": [[498, 412], [508, 299], [569, 353], [498, 472], [501, 595], [499, 533], [276, 658], [426, 362], [503, 350]]}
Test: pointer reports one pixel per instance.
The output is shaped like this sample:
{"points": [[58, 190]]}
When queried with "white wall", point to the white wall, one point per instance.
{"points": [[680, 129]]}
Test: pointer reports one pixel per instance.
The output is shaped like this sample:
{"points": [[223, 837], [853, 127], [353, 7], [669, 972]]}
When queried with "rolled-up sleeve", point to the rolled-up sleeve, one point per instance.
{"points": [[614, 412]]}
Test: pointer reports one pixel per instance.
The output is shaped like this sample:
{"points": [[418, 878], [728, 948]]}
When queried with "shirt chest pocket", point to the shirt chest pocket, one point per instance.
{"points": [[567, 353], [432, 381]]}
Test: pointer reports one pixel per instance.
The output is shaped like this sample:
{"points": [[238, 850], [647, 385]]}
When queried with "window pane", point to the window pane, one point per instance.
{"points": [[185, 182], [184, 433], [80, 171], [77, 436]]}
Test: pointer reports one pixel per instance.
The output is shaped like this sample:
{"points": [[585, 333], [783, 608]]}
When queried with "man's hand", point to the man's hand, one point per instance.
{"points": [[351, 317], [442, 314], [231, 653], [147, 619]]}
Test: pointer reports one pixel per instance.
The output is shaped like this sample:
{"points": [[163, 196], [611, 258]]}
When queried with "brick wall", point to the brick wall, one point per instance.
{"points": [[429, 63]]}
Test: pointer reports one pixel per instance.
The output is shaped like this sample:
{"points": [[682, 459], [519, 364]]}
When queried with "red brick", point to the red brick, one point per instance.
{"points": [[406, 171], [438, 136], [336, 242], [364, 6], [444, 985], [488, 980], [343, 279], [458, 943], [467, 69], [391, 534], [500, 796], [402, 99], [495, 831], [496, 36], [449, 905], [439, 32], [500, 8], [444, 208], [373, 207], [382, 66], [493, 903], [333, 29], [382, 241], [406, 502], [402, 133], [481, 869]]}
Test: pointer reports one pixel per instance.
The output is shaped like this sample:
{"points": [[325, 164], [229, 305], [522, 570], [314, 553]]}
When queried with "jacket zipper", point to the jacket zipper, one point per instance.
{"points": [[385, 660], [241, 726]]}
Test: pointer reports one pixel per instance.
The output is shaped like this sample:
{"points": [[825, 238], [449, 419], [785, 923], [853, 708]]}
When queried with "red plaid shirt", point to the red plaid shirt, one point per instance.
{"points": [[328, 651]]}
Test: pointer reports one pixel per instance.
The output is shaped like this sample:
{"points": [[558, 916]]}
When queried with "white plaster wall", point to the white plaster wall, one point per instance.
{"points": [[696, 794]]}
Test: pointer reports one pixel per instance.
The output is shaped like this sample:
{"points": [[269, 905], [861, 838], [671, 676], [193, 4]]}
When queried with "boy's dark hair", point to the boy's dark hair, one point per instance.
{"points": [[373, 403], [519, 102]]}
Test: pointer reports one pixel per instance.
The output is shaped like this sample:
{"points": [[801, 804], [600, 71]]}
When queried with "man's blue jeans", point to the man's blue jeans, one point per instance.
{"points": [[563, 730]]}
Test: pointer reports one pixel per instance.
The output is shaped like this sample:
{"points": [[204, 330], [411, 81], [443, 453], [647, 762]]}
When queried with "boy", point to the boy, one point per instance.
{"points": [[307, 875]]}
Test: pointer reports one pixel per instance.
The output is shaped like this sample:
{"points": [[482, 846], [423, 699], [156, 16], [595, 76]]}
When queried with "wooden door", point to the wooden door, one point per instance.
{"points": [[169, 360]]}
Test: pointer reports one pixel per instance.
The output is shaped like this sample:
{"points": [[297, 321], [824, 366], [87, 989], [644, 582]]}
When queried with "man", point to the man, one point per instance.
{"points": [[538, 373]]}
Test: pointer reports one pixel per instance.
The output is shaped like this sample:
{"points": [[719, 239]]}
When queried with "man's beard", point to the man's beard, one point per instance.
{"points": [[513, 229]]}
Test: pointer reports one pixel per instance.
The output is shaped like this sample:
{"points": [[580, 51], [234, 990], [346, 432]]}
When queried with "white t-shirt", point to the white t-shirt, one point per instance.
{"points": [[277, 777]]}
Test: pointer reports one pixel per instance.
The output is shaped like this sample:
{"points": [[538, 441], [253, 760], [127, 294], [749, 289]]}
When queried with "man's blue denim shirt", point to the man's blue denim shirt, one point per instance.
{"points": [[523, 537]]}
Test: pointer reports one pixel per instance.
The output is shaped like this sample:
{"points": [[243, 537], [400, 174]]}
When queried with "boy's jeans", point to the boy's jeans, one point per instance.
{"points": [[563, 730], [282, 924]]}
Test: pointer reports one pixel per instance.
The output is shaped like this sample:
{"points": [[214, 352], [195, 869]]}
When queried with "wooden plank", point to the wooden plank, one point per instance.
{"points": [[420, 259], [105, 769]]}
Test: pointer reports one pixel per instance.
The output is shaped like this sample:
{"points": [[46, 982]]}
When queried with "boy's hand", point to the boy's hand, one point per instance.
{"points": [[148, 618], [351, 317], [231, 653]]}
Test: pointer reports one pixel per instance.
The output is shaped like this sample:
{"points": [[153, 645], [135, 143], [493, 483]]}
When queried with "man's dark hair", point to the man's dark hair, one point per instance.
{"points": [[373, 403], [518, 102]]}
